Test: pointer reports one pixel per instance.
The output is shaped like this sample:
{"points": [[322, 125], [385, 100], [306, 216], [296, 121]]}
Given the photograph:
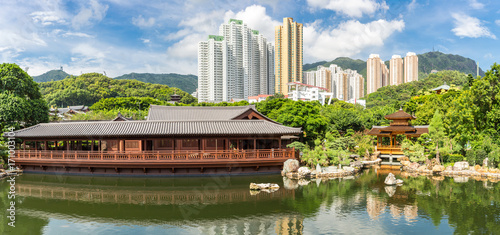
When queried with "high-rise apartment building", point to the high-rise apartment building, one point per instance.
{"points": [[396, 70], [288, 54], [309, 78], [235, 65], [323, 78], [411, 67], [373, 73], [385, 73]]}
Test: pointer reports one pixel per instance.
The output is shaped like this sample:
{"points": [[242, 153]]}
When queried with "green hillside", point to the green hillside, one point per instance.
{"points": [[89, 88], [187, 83], [52, 75], [400, 94]]}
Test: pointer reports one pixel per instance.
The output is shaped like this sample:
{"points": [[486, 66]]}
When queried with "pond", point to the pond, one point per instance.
{"points": [[55, 204]]}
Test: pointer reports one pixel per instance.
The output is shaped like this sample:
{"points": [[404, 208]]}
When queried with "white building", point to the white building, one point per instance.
{"points": [[257, 98], [305, 92], [235, 65]]}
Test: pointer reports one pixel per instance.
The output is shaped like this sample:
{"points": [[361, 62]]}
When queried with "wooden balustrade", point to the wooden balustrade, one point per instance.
{"points": [[222, 155]]}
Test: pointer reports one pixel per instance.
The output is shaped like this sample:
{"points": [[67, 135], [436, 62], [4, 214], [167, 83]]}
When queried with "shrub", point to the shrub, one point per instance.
{"points": [[455, 158]]}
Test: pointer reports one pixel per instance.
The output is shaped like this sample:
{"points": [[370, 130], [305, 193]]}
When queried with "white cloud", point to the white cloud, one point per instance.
{"points": [[47, 17], [145, 40], [94, 12], [351, 8], [412, 5], [143, 23], [467, 26], [348, 39], [475, 4], [77, 34], [497, 22], [256, 18]]}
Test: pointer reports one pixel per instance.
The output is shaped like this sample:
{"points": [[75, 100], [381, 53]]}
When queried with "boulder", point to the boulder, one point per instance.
{"points": [[390, 179], [449, 168], [422, 168], [348, 168], [477, 168], [414, 166], [304, 171], [399, 182], [318, 169], [290, 165], [485, 162], [438, 168], [460, 166], [304, 182], [357, 164], [405, 163], [330, 169], [254, 186]]}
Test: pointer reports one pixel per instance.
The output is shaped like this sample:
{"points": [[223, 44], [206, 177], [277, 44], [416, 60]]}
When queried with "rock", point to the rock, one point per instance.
{"points": [[399, 182], [477, 168], [290, 183], [414, 165], [406, 159], [431, 163], [460, 166], [290, 165], [318, 169], [422, 168], [348, 168], [304, 182], [438, 168], [438, 178], [449, 168], [390, 190], [304, 171], [405, 163], [390, 179], [485, 162], [357, 164], [254, 186], [254, 192], [330, 169]]}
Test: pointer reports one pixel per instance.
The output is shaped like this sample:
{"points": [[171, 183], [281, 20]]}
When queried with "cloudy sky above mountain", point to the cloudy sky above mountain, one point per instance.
{"points": [[120, 37]]}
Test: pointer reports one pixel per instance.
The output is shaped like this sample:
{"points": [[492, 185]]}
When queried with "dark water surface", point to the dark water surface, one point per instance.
{"points": [[52, 204]]}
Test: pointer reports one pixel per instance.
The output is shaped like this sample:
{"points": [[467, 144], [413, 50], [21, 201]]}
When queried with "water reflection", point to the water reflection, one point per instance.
{"points": [[224, 205]]}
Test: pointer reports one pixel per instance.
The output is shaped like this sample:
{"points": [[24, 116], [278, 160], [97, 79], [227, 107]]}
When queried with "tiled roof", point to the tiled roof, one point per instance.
{"points": [[156, 128], [409, 130], [442, 87], [158, 112], [400, 114]]}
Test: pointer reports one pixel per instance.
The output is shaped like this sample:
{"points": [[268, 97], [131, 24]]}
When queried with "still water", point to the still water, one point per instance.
{"points": [[54, 204]]}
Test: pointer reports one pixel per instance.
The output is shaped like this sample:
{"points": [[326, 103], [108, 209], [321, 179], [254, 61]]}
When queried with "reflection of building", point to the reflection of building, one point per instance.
{"points": [[290, 225], [288, 54], [375, 206]]}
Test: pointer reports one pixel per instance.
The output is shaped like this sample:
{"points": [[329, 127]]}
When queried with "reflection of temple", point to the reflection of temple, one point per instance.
{"points": [[290, 225]]}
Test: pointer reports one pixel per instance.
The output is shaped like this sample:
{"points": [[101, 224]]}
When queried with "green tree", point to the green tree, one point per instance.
{"points": [[437, 132]]}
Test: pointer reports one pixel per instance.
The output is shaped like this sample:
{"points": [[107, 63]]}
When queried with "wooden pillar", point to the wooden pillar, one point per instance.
{"points": [[204, 143], [140, 145], [92, 145], [254, 143], [122, 145], [24, 145], [45, 147], [279, 142]]}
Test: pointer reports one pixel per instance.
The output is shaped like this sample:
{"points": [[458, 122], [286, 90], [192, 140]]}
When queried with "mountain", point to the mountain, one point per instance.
{"points": [[52, 75], [187, 83], [426, 63], [89, 88]]}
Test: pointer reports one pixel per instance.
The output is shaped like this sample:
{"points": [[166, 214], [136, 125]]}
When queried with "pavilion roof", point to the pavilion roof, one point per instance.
{"points": [[408, 130], [162, 128], [184, 113], [400, 114]]}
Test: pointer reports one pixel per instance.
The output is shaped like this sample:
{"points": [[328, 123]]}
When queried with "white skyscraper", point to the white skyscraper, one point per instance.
{"points": [[411, 67], [246, 64]]}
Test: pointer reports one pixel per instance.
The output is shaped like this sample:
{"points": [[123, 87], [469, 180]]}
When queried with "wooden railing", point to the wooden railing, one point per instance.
{"points": [[389, 149], [195, 155]]}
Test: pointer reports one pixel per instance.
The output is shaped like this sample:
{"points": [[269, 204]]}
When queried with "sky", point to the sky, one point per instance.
{"points": [[117, 37]]}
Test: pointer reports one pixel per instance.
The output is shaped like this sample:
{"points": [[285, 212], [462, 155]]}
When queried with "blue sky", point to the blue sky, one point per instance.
{"points": [[120, 37]]}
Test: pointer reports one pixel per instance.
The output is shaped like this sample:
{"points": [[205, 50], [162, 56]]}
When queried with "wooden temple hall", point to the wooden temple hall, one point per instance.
{"points": [[174, 140], [387, 136]]}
